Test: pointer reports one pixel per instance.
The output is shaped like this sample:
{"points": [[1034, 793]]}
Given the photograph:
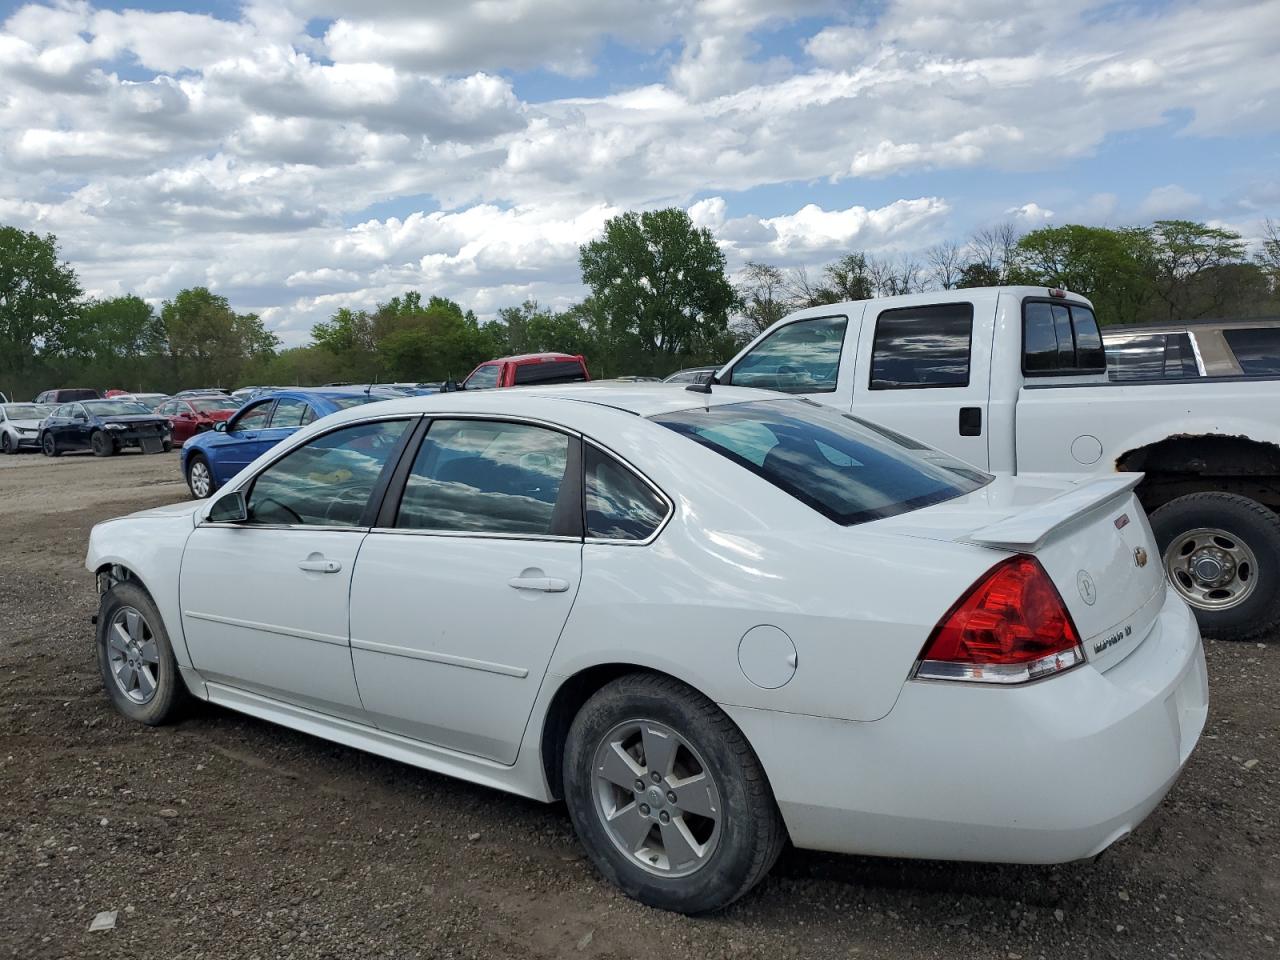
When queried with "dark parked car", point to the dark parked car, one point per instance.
{"points": [[103, 426], [66, 395]]}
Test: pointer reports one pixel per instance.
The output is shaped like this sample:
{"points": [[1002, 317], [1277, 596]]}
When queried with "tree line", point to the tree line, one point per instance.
{"points": [[660, 298]]}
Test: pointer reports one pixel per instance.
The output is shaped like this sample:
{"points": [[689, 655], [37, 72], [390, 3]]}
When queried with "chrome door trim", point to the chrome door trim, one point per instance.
{"points": [[268, 628], [448, 659]]}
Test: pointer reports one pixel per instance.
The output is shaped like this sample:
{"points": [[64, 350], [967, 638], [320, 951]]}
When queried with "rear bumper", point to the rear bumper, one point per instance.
{"points": [[1053, 771]]}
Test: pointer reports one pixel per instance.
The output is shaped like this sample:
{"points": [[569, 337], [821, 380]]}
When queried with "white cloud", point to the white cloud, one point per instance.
{"points": [[1030, 214], [1170, 201]]}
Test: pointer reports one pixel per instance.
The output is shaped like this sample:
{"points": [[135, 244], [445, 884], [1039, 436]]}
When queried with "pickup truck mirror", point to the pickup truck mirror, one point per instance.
{"points": [[229, 508]]}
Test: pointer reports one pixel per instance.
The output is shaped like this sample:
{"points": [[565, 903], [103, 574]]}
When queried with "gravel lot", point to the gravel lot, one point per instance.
{"points": [[224, 836]]}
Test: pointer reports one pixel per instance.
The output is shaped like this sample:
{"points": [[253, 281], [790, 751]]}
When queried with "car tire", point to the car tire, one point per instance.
{"points": [[167, 446], [1238, 539], [135, 658], [7, 445], [102, 444], [698, 852], [49, 446], [200, 477]]}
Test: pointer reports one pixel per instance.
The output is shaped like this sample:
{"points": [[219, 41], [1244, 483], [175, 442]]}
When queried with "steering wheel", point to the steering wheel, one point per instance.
{"points": [[777, 375], [285, 508]]}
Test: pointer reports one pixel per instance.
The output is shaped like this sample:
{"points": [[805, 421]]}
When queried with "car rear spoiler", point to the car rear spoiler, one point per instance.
{"points": [[1027, 530]]}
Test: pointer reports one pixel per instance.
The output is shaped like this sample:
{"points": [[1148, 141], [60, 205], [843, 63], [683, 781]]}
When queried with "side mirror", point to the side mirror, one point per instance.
{"points": [[451, 386], [229, 508], [220, 426]]}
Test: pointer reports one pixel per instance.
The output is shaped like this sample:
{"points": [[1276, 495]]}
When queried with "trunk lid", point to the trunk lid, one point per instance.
{"points": [[1092, 538]]}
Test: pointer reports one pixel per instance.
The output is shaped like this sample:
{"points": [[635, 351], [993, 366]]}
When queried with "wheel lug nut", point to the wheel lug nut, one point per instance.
{"points": [[671, 796], [656, 777], [664, 817], [639, 784], [644, 809]]}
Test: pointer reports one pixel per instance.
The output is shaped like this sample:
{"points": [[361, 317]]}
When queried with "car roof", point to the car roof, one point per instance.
{"points": [[530, 357]]}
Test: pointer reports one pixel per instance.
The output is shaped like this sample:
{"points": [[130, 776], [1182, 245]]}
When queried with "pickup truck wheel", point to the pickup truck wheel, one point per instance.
{"points": [[668, 797], [139, 670], [1221, 552]]}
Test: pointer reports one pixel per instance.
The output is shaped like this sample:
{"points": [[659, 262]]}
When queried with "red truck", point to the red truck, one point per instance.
{"points": [[528, 369]]}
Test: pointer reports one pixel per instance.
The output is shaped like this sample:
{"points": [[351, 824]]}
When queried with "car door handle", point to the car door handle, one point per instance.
{"points": [[545, 584], [319, 565]]}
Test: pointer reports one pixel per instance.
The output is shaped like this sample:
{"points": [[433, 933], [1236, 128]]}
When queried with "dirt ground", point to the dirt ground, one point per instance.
{"points": [[226, 837]]}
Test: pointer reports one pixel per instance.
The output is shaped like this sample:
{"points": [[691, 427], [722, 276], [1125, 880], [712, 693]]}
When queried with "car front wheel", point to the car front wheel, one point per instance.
{"points": [[135, 658], [668, 797], [49, 446], [7, 445], [200, 477], [103, 445]]}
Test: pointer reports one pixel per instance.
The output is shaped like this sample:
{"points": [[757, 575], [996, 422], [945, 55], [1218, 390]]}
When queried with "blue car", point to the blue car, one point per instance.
{"points": [[212, 458]]}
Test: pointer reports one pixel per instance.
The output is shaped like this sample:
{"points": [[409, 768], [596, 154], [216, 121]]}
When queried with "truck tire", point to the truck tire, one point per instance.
{"points": [[1221, 552]]}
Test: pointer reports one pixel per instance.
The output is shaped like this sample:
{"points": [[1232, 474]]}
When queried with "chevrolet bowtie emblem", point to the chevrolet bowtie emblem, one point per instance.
{"points": [[1139, 556]]}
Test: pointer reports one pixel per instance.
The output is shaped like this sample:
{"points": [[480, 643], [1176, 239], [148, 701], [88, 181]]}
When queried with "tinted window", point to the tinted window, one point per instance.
{"points": [[481, 476], [329, 480], [802, 357], [620, 506], [1257, 349], [1060, 338], [1155, 356], [555, 371], [253, 418], [825, 459], [922, 347], [288, 412], [483, 377]]}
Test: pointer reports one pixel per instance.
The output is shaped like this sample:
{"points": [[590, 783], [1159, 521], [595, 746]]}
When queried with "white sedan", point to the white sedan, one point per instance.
{"points": [[711, 621]]}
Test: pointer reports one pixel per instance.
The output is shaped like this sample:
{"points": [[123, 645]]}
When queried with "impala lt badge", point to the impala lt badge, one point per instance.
{"points": [[1139, 556]]}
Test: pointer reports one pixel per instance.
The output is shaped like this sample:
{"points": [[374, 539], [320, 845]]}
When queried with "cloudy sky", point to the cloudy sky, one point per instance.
{"points": [[302, 155]]}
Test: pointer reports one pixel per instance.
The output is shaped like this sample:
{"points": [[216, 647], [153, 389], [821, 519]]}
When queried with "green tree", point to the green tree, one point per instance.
{"points": [[1183, 252], [39, 298], [209, 342], [1113, 268], [119, 328], [659, 287]]}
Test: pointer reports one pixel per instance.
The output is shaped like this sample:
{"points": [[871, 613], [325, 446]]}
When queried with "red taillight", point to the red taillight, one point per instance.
{"points": [[1011, 626]]}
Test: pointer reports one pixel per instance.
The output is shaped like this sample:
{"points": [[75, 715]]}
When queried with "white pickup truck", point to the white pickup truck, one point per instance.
{"points": [[1014, 380]]}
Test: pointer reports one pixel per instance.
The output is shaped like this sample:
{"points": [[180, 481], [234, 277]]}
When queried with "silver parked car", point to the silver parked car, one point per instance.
{"points": [[20, 425]]}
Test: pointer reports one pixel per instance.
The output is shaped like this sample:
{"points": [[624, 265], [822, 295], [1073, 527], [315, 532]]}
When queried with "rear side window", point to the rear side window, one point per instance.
{"points": [[921, 347], [825, 459], [1060, 338], [1155, 356], [554, 371], [484, 476], [483, 377], [620, 505], [1257, 349], [802, 357]]}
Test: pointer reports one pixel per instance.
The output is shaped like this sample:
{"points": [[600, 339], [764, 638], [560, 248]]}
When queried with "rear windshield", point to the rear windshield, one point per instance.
{"points": [[848, 470], [116, 408], [71, 394], [553, 371], [214, 404]]}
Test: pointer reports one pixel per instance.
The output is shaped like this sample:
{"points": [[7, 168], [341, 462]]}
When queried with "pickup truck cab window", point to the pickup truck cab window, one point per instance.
{"points": [[921, 347], [801, 357], [1060, 338], [489, 477], [327, 482]]}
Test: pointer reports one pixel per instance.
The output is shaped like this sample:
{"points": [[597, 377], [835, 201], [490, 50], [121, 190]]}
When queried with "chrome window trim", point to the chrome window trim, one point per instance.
{"points": [[475, 534], [662, 495], [331, 528]]}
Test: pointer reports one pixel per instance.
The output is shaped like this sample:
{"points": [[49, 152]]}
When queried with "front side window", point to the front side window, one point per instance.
{"points": [[289, 412], [484, 476], [1060, 337], [801, 357], [253, 418], [920, 347], [328, 481], [620, 506], [844, 469], [483, 377], [1257, 349]]}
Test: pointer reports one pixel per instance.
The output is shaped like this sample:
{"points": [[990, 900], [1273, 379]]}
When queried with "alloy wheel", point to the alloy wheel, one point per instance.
{"points": [[656, 798], [1211, 568], [133, 655], [200, 479]]}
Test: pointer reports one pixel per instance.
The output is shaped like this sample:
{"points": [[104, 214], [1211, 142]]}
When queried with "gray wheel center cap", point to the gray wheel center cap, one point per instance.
{"points": [[657, 798]]}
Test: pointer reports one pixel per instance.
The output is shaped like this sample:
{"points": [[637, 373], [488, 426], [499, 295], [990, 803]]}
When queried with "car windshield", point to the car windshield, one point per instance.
{"points": [[26, 411], [848, 470], [214, 404], [115, 408]]}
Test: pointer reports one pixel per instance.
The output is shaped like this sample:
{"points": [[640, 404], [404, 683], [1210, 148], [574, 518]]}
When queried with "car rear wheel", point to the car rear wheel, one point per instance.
{"points": [[136, 660], [668, 797], [200, 477], [103, 445], [1221, 553], [49, 446]]}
